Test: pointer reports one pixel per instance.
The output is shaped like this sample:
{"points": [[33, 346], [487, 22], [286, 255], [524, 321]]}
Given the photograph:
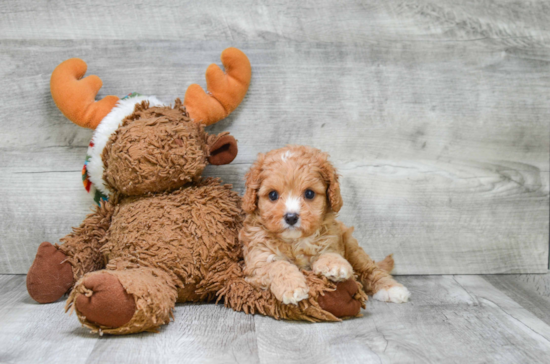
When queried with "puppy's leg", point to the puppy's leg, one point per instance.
{"points": [[284, 280], [288, 284], [375, 280], [333, 266]]}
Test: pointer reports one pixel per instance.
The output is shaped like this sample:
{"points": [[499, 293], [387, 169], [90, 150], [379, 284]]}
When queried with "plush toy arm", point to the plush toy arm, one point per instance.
{"points": [[225, 90], [324, 302], [56, 268], [82, 246]]}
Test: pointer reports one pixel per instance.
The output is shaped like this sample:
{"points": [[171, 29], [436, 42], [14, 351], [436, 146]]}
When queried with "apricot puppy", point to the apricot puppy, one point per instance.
{"points": [[291, 200]]}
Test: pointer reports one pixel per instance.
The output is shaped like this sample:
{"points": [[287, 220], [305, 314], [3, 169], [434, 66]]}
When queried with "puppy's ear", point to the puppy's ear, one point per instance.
{"points": [[252, 184], [333, 186]]}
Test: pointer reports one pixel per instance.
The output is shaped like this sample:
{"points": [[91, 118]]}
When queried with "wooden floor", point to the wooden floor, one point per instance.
{"points": [[451, 318]]}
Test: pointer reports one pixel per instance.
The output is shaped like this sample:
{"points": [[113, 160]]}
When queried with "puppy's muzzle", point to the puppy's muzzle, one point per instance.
{"points": [[291, 218]]}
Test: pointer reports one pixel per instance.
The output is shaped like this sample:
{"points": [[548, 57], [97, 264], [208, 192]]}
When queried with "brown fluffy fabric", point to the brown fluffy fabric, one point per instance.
{"points": [[82, 245], [185, 232], [155, 149]]}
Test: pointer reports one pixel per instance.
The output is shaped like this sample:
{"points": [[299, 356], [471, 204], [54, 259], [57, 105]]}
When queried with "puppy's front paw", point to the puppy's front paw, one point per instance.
{"points": [[295, 296], [396, 294], [334, 267], [290, 292]]}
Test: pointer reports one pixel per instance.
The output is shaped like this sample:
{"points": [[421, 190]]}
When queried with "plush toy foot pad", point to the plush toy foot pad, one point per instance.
{"points": [[105, 301], [50, 276], [341, 302]]}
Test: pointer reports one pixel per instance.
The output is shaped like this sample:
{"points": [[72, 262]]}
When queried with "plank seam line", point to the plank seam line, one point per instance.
{"points": [[503, 310]]}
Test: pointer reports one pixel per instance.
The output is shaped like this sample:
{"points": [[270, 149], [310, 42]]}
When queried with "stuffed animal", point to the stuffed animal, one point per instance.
{"points": [[161, 234]]}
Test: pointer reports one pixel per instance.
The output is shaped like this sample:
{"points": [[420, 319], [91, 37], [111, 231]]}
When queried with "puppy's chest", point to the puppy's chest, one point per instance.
{"points": [[303, 252]]}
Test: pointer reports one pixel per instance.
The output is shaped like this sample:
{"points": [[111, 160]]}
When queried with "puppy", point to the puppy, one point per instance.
{"points": [[292, 197]]}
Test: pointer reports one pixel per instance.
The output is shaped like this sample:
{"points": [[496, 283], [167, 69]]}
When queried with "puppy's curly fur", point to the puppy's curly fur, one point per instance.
{"points": [[292, 198]]}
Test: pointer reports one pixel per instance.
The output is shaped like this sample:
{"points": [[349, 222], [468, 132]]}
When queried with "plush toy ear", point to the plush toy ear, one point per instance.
{"points": [[253, 183], [223, 150], [333, 186]]}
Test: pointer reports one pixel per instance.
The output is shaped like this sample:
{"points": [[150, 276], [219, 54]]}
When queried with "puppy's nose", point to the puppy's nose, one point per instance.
{"points": [[291, 218]]}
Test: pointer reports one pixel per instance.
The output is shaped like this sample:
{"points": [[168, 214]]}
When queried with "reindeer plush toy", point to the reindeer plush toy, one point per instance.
{"points": [[161, 234]]}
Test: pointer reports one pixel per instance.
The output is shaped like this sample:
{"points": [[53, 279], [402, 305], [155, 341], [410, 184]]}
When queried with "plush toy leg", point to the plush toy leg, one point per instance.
{"points": [[345, 301], [50, 276], [124, 301], [327, 301], [375, 277]]}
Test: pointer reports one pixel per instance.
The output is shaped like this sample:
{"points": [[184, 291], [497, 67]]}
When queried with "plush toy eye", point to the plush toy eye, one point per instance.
{"points": [[309, 194], [273, 195]]}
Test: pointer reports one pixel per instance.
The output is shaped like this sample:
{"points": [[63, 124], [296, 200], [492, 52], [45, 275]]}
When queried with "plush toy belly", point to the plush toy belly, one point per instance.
{"points": [[183, 232]]}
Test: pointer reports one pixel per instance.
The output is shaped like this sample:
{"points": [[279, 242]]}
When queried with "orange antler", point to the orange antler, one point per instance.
{"points": [[225, 90], [75, 97]]}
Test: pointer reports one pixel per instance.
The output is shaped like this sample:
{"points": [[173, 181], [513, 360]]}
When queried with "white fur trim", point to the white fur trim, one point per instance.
{"points": [[103, 132]]}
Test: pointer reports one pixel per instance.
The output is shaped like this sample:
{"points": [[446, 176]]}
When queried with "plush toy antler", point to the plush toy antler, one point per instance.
{"points": [[75, 96], [225, 90]]}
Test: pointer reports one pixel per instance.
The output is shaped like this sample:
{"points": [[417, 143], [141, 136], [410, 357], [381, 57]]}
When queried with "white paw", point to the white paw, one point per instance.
{"points": [[398, 294], [336, 271], [296, 295]]}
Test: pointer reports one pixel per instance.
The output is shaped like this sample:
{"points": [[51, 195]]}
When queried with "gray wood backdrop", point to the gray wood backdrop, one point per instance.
{"points": [[436, 113]]}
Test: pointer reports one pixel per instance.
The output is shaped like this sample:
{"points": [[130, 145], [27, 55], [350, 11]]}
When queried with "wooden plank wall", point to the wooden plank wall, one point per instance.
{"points": [[436, 114]]}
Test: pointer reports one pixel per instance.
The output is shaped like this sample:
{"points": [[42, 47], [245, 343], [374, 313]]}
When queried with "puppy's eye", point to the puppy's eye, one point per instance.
{"points": [[309, 194], [273, 195]]}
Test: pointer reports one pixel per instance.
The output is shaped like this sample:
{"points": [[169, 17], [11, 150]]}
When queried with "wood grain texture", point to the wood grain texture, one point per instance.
{"points": [[347, 21], [531, 291], [449, 319], [435, 114], [200, 333], [34, 333]]}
